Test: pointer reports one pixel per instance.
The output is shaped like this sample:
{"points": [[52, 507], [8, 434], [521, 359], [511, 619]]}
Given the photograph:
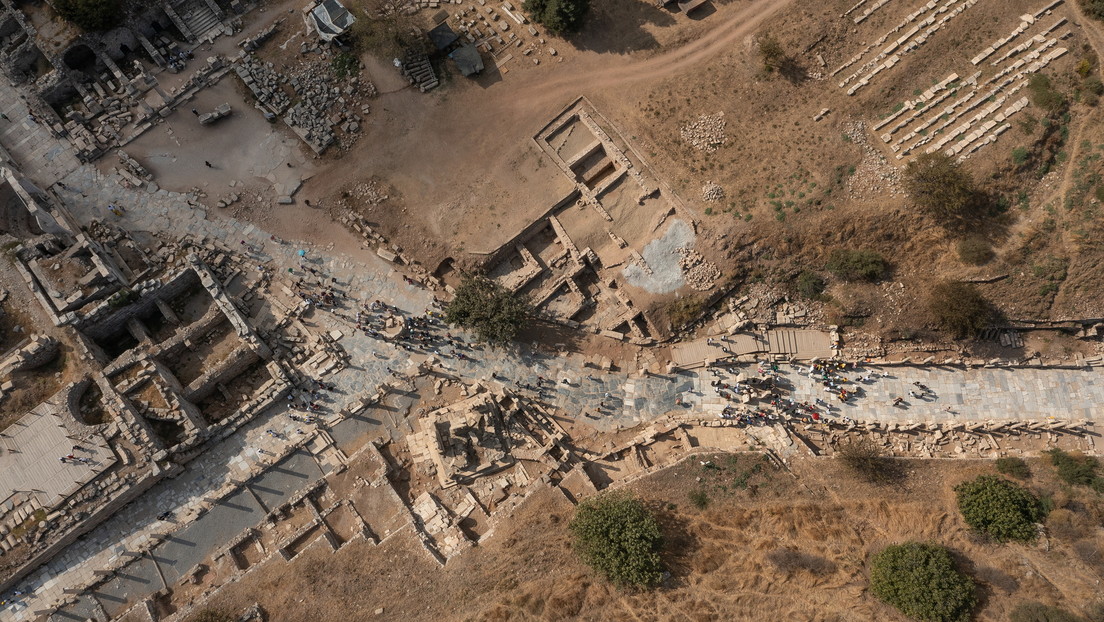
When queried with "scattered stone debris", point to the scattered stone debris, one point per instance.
{"points": [[874, 175], [706, 133], [323, 104], [262, 79], [700, 274], [712, 192]]}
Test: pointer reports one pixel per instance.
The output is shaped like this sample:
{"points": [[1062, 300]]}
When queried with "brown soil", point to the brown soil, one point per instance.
{"points": [[718, 556]]}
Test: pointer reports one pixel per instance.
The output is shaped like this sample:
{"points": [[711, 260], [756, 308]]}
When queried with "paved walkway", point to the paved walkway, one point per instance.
{"points": [[975, 395], [971, 395], [36, 152]]}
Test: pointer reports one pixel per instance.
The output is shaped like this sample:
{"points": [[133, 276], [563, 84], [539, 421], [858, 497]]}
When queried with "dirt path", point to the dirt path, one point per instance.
{"points": [[460, 167]]}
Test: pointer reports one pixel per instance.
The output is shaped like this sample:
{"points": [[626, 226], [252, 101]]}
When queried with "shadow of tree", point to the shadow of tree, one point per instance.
{"points": [[618, 26]]}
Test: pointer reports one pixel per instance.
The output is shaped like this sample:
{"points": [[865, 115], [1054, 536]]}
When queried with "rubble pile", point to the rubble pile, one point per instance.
{"points": [[368, 192], [262, 79], [706, 133], [699, 273], [712, 192], [324, 104]]}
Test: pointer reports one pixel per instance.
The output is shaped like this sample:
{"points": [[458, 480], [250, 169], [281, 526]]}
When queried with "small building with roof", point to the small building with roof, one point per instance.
{"points": [[329, 18]]}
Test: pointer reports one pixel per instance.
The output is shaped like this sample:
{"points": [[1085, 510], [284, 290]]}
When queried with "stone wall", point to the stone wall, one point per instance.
{"points": [[103, 322]]}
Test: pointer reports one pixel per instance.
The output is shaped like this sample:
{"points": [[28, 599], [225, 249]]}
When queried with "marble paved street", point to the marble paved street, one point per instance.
{"points": [[607, 401], [39, 155]]}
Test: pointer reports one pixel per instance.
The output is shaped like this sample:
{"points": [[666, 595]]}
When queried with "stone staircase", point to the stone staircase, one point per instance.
{"points": [[199, 17]]}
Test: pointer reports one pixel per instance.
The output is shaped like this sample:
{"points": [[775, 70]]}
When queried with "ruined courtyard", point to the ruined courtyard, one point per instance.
{"points": [[221, 339]]}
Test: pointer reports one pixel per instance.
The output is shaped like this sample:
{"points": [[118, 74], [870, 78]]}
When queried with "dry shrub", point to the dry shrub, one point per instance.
{"points": [[1090, 553], [566, 599], [864, 457], [790, 561], [997, 578], [1068, 525]]}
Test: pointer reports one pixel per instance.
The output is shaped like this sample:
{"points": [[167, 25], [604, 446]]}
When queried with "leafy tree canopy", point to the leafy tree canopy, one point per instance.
{"points": [[617, 536], [493, 312], [921, 581], [856, 265], [91, 14], [999, 508], [558, 16]]}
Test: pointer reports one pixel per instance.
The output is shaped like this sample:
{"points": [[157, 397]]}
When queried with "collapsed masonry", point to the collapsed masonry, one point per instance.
{"points": [[482, 450]]}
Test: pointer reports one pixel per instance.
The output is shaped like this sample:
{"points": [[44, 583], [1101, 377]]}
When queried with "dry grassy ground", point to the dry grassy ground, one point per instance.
{"points": [[719, 557], [462, 174]]}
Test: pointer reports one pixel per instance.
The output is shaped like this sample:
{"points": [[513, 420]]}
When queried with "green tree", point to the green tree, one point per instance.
{"points": [[1094, 8], [921, 581], [939, 185], [856, 265], [558, 16], [771, 52], [617, 536], [91, 14], [959, 308], [493, 312], [999, 508]]}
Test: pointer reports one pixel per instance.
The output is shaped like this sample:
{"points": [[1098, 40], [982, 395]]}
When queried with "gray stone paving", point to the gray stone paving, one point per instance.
{"points": [[976, 395], [38, 154]]}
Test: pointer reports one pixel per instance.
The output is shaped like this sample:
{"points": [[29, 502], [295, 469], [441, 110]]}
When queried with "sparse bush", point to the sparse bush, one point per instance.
{"points": [[856, 265], [959, 308], [1065, 524], [975, 251], [558, 16], [1043, 94], [1076, 469], [1032, 611], [683, 311], [937, 183], [345, 65], [1014, 467], [493, 312], [212, 615], [1090, 553], [95, 15], [699, 498], [810, 285], [789, 561], [771, 52], [618, 537], [999, 508], [865, 458], [122, 298], [379, 29], [921, 581], [1020, 155]]}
